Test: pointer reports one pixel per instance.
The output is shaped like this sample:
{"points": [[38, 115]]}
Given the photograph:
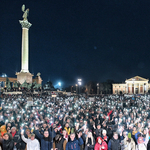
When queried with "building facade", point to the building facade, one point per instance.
{"points": [[135, 85]]}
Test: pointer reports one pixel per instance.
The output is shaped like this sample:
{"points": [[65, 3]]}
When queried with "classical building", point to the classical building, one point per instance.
{"points": [[135, 85]]}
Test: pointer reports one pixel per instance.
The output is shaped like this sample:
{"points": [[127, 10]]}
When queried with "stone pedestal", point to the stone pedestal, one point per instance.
{"points": [[24, 76]]}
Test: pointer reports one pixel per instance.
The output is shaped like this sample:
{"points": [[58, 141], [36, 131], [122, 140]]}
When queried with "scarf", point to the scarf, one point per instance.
{"points": [[47, 139], [134, 132], [13, 134]]}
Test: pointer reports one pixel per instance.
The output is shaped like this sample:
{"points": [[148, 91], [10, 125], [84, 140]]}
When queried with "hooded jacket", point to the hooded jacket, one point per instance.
{"points": [[103, 144], [75, 144], [31, 144]]}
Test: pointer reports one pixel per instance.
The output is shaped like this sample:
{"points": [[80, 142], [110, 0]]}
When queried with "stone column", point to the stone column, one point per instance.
{"points": [[131, 89], [134, 88], [25, 45], [143, 88], [139, 89], [127, 89], [146, 87]]}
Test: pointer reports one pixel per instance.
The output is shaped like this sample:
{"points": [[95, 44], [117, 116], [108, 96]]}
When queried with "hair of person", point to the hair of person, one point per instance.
{"points": [[92, 139], [104, 131], [32, 135], [115, 133], [14, 128]]}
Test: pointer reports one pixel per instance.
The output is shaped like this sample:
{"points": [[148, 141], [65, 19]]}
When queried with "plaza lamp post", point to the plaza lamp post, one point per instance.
{"points": [[79, 83], [76, 88], [97, 88]]}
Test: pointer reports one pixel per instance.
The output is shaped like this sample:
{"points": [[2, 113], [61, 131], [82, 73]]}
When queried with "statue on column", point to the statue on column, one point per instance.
{"points": [[26, 12]]}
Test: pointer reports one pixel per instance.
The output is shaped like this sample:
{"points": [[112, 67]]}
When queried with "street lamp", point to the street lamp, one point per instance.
{"points": [[79, 83], [59, 84], [97, 88], [76, 88]]}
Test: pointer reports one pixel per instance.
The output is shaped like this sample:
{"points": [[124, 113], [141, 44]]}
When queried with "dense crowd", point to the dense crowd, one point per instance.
{"points": [[106, 122]]}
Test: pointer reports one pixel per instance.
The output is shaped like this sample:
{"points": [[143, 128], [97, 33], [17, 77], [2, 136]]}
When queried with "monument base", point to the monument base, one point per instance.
{"points": [[24, 76]]}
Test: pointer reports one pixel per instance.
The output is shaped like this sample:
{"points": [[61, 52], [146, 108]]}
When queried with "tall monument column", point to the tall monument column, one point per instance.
{"points": [[24, 74], [25, 45]]}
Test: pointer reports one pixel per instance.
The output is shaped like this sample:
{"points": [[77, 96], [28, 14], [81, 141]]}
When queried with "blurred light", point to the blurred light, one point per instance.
{"points": [[59, 83], [4, 75], [79, 81]]}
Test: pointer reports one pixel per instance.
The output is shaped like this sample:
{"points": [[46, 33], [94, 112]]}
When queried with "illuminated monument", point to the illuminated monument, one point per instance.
{"points": [[24, 74]]}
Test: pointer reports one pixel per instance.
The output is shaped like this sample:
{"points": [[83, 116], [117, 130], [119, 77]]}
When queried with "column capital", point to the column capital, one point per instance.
{"points": [[25, 24]]}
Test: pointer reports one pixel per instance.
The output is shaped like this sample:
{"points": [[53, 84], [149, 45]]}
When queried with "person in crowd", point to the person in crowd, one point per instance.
{"points": [[32, 143], [89, 142], [16, 138], [7, 142], [129, 143], [100, 144], [104, 136], [59, 142], [74, 144], [98, 131], [141, 143], [67, 128], [85, 134], [114, 143], [65, 135], [45, 139]]}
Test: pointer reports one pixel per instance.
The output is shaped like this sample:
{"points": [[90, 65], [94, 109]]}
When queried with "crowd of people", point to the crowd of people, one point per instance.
{"points": [[105, 122]]}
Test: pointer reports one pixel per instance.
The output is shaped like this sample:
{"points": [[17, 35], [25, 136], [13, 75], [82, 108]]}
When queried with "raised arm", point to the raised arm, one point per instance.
{"points": [[38, 134], [24, 139]]}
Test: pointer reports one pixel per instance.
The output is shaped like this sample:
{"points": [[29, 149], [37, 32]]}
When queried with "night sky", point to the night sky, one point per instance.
{"points": [[69, 39]]}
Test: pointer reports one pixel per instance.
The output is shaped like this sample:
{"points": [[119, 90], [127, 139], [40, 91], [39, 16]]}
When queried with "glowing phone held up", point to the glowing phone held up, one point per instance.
{"points": [[22, 131]]}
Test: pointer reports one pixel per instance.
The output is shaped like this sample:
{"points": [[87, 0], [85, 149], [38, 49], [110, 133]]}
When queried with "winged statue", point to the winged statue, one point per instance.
{"points": [[26, 12]]}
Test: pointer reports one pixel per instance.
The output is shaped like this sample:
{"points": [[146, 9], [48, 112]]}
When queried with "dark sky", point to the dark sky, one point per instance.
{"points": [[91, 39]]}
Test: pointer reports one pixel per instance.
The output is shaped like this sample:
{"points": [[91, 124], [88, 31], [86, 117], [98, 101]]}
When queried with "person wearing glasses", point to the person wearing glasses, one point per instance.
{"points": [[46, 139]]}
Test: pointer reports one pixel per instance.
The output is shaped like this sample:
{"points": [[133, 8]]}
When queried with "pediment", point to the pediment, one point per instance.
{"points": [[137, 78]]}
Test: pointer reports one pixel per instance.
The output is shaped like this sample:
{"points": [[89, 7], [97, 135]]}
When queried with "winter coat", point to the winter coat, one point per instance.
{"points": [[31, 144], [98, 146], [62, 143], [45, 144], [98, 132], [127, 144], [17, 139], [113, 144], [7, 144], [75, 144]]}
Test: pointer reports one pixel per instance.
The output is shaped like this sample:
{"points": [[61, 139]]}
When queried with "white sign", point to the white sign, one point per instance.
{"points": [[30, 103], [91, 98]]}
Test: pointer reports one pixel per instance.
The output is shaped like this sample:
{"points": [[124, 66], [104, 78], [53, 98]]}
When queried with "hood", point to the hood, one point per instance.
{"points": [[98, 139]]}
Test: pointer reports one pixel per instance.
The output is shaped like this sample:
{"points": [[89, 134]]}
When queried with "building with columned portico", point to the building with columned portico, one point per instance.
{"points": [[135, 85]]}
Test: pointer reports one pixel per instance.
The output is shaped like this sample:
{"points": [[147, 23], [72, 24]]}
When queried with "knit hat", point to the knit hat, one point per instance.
{"points": [[129, 135]]}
